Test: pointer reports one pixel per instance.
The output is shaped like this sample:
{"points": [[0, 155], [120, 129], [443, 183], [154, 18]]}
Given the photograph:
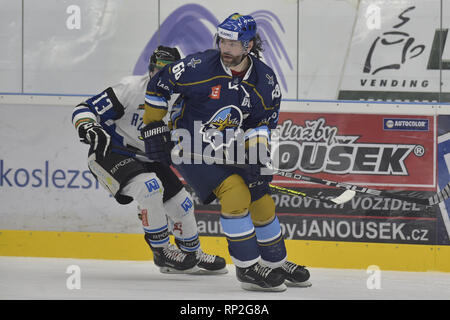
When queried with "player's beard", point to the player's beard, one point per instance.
{"points": [[231, 61]]}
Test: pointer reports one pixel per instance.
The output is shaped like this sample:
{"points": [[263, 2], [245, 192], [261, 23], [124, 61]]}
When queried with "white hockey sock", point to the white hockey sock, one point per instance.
{"points": [[180, 211], [147, 190]]}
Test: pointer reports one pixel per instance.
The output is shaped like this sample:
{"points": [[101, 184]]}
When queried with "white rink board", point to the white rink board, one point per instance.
{"points": [[44, 179]]}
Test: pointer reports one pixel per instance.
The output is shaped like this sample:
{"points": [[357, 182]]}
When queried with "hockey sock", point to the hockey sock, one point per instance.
{"points": [[157, 238], [182, 224], [241, 238], [155, 234], [188, 244], [146, 189], [271, 244]]}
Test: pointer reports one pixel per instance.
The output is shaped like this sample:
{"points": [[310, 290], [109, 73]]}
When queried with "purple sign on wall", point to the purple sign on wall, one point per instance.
{"points": [[188, 29]]}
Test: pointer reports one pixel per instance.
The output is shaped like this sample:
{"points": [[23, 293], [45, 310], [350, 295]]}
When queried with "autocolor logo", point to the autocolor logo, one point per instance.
{"points": [[405, 124]]}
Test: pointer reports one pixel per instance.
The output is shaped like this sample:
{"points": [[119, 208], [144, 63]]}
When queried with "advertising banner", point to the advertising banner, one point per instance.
{"points": [[45, 183], [385, 152], [368, 149], [395, 52]]}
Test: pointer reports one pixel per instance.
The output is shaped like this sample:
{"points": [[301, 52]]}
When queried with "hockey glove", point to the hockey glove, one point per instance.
{"points": [[158, 143], [258, 158], [92, 133]]}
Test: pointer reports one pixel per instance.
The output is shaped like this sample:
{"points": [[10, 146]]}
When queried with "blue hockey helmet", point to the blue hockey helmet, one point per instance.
{"points": [[237, 27]]}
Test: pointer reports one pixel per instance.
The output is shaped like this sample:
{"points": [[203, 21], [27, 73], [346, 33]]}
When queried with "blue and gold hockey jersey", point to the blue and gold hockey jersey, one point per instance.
{"points": [[212, 98]]}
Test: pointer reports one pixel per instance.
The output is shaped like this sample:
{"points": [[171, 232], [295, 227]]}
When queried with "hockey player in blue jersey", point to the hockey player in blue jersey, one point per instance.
{"points": [[113, 119], [222, 90]]}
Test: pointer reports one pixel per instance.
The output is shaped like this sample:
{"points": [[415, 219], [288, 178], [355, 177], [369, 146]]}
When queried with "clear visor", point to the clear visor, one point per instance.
{"points": [[217, 38]]}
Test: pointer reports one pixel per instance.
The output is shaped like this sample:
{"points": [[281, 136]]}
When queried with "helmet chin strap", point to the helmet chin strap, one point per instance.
{"points": [[244, 56], [246, 52]]}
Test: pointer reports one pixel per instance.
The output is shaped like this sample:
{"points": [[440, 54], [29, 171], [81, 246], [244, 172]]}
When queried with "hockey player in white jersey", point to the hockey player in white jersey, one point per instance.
{"points": [[112, 119]]}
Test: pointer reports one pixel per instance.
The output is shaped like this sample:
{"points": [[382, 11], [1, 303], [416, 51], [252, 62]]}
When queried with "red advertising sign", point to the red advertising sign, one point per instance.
{"points": [[384, 152], [395, 152]]}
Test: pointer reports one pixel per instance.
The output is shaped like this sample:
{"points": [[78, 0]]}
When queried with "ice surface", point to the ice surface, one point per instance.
{"points": [[45, 278]]}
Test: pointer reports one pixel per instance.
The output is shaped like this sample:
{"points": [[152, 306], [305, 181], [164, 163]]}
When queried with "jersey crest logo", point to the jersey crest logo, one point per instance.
{"points": [[215, 129], [215, 92]]}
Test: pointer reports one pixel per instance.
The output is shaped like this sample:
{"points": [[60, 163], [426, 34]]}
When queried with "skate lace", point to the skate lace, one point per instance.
{"points": [[204, 257], [261, 270], [173, 253], [289, 267]]}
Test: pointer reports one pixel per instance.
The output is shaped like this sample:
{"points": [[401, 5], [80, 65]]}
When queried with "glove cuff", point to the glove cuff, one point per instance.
{"points": [[154, 129]]}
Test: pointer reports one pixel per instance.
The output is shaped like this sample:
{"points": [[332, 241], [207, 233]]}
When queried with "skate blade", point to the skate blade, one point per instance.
{"points": [[304, 284], [170, 270], [253, 287], [206, 272]]}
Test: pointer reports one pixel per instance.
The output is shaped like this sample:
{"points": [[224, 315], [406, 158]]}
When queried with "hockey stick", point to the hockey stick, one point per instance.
{"points": [[430, 201], [342, 198]]}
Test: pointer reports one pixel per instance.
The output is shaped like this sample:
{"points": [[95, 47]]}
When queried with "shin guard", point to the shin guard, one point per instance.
{"points": [[271, 244], [241, 238]]}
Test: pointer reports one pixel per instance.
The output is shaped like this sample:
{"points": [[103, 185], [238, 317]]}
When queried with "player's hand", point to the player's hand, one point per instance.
{"points": [[158, 143], [258, 158], [92, 133]]}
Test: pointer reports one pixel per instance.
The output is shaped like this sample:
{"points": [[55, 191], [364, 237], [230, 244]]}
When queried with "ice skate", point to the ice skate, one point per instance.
{"points": [[260, 278], [170, 259], [295, 275], [209, 264]]}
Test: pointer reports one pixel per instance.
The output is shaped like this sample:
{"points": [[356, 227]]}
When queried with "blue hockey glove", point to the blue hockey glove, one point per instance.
{"points": [[92, 133], [158, 143]]}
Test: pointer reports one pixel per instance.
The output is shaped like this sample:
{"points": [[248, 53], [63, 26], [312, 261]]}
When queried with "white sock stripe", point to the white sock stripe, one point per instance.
{"points": [[272, 264], [237, 235], [270, 239], [244, 264]]}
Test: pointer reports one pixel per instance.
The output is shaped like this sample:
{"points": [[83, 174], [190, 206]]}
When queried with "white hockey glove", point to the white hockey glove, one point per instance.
{"points": [[92, 133]]}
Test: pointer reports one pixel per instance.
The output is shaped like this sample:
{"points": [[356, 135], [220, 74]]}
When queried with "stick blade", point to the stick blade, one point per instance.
{"points": [[346, 196], [441, 196]]}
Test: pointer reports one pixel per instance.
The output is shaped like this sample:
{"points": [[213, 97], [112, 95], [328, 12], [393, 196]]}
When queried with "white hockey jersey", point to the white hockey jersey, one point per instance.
{"points": [[119, 109]]}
